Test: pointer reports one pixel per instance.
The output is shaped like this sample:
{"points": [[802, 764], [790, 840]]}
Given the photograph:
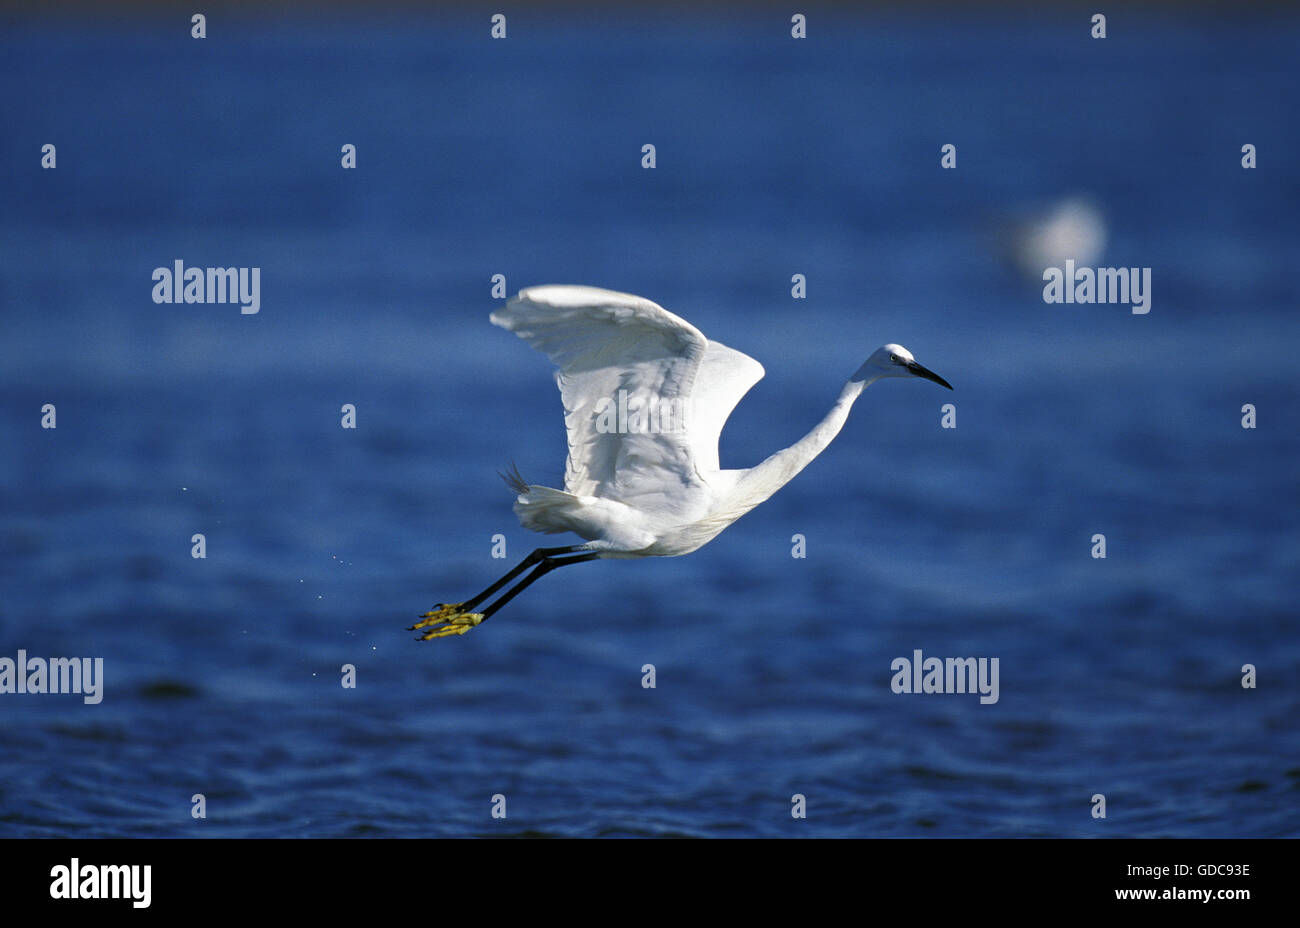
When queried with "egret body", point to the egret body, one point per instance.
{"points": [[648, 485]]}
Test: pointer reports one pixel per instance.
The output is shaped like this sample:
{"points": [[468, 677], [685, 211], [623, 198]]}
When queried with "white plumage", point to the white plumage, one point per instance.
{"points": [[643, 493], [645, 396]]}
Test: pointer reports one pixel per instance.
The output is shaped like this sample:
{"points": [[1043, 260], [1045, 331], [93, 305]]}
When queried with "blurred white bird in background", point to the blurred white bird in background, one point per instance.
{"points": [[645, 398], [1071, 228]]}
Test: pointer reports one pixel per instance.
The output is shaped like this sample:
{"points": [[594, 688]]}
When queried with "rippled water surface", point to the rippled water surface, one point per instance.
{"points": [[774, 157]]}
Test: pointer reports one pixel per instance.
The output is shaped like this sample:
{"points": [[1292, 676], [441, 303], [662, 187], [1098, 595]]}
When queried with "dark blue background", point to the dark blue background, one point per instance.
{"points": [[522, 157]]}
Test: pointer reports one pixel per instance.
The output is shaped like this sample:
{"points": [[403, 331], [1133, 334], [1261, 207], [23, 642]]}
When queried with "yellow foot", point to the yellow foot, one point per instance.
{"points": [[438, 614], [457, 624]]}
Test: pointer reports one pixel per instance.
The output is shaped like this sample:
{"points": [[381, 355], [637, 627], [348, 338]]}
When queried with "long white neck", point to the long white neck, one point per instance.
{"points": [[761, 481]]}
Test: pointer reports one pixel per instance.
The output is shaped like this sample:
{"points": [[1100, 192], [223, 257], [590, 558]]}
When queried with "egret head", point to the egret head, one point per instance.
{"points": [[895, 361]]}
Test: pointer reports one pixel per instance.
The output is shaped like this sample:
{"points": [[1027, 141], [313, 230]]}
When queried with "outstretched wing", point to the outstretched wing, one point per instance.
{"points": [[724, 377], [645, 393]]}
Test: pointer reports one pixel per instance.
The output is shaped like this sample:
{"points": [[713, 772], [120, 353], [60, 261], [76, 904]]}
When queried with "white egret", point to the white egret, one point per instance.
{"points": [[645, 398], [1072, 228]]}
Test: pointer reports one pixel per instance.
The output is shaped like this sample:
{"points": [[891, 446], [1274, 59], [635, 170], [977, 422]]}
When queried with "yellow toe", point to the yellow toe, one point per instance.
{"points": [[440, 613], [453, 625]]}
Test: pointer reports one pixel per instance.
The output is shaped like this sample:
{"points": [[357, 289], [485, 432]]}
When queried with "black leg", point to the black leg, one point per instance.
{"points": [[547, 565], [458, 618], [541, 554]]}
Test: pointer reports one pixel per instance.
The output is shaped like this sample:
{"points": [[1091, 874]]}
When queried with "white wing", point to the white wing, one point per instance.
{"points": [[604, 342], [724, 377]]}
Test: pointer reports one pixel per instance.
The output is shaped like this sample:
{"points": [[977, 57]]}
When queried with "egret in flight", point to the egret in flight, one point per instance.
{"points": [[645, 398]]}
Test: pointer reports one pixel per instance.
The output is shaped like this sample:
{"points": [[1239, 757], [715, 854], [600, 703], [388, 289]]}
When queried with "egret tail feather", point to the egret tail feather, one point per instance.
{"points": [[515, 480]]}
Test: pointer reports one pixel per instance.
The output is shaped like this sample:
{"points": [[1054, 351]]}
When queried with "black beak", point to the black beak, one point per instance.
{"points": [[920, 371]]}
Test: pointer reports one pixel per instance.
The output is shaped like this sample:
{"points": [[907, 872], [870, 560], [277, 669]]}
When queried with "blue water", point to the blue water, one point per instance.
{"points": [[522, 157]]}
